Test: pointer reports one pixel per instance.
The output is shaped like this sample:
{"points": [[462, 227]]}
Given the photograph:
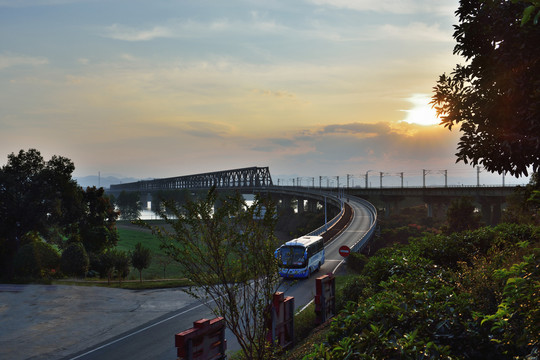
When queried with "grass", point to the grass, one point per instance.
{"points": [[127, 284], [129, 237]]}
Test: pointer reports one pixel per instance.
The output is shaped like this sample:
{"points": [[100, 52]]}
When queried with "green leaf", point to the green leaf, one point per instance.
{"points": [[527, 14]]}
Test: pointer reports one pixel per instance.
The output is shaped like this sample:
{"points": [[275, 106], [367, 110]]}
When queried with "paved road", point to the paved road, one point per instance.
{"points": [[71, 322]]}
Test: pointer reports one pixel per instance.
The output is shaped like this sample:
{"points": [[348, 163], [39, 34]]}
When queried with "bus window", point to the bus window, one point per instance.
{"points": [[292, 257]]}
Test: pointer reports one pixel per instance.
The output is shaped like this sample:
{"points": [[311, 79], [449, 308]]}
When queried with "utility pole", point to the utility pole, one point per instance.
{"points": [[320, 182], [348, 177], [445, 178], [478, 176], [424, 177], [503, 173], [337, 181], [401, 175], [381, 178]]}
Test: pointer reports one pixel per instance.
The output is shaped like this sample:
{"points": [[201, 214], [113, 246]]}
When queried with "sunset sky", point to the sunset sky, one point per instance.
{"points": [[150, 89]]}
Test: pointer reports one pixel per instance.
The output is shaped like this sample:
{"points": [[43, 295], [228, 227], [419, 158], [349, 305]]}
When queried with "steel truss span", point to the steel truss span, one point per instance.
{"points": [[239, 178]]}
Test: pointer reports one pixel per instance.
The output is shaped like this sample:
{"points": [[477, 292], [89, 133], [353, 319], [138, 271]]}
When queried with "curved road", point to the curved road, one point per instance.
{"points": [[155, 340]]}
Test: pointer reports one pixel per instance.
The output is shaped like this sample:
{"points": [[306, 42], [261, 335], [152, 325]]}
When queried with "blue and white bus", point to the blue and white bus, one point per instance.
{"points": [[300, 257]]}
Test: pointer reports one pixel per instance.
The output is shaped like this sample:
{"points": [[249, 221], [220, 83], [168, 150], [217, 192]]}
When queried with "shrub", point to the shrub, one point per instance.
{"points": [[74, 261], [25, 262], [469, 295], [356, 261], [36, 259]]}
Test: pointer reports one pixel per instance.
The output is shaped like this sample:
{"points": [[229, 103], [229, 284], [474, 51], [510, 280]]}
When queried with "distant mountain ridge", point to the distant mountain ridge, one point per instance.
{"points": [[101, 181]]}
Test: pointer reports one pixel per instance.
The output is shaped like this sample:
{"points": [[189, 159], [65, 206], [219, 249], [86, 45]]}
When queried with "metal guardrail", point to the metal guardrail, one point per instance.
{"points": [[367, 236], [333, 221]]}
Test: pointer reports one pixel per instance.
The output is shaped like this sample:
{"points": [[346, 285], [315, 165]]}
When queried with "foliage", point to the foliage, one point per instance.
{"points": [[121, 262], [74, 260], [30, 200], [140, 258], [228, 252], [458, 296], [356, 261], [161, 197], [523, 205], [129, 205], [40, 197], [36, 258], [495, 97], [97, 228], [461, 216], [529, 11]]}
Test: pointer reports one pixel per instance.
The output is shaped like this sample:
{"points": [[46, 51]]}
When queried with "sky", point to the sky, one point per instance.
{"points": [[162, 88]]}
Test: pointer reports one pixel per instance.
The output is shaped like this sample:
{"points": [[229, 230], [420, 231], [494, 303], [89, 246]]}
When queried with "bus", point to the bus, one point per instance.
{"points": [[300, 257]]}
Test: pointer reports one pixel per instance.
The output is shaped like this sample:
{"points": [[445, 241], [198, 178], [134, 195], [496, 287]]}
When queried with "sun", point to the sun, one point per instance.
{"points": [[421, 113]]}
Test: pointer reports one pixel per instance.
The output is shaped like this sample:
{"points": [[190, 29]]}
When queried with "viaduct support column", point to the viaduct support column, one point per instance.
{"points": [[300, 205], [312, 205]]}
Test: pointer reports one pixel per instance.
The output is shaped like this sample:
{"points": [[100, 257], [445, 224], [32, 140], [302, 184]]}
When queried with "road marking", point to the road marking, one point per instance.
{"points": [[313, 300], [140, 330]]}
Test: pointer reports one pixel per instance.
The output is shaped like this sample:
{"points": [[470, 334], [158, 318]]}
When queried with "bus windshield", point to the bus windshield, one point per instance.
{"points": [[292, 257]]}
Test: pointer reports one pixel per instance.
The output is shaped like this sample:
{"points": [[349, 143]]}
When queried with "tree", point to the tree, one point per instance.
{"points": [[129, 205], [461, 216], [228, 253], [164, 261], [495, 98], [522, 206], [140, 258], [74, 261], [121, 264], [97, 224], [35, 196], [35, 258], [105, 264]]}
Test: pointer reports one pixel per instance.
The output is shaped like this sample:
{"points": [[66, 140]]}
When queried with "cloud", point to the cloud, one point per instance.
{"points": [[363, 130], [9, 60], [205, 129], [30, 3], [393, 6], [275, 94], [190, 29], [120, 32], [385, 146], [416, 32]]}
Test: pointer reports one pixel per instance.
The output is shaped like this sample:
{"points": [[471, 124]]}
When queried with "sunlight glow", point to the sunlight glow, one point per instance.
{"points": [[421, 112]]}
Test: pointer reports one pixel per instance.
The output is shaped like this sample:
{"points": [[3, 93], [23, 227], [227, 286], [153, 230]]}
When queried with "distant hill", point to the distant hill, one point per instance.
{"points": [[104, 182]]}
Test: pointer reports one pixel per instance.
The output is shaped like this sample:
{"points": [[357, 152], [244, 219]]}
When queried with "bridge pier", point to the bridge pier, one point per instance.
{"points": [[300, 204], [491, 210], [312, 205]]}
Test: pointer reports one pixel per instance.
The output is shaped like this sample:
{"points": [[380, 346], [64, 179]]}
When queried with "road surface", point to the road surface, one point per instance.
{"points": [[76, 323]]}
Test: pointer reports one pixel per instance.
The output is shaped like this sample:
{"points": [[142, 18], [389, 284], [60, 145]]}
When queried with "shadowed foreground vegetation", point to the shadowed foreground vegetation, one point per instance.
{"points": [[468, 295]]}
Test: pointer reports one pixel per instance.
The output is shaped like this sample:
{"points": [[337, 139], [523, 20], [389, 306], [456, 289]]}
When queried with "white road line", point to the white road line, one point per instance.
{"points": [[140, 330]]}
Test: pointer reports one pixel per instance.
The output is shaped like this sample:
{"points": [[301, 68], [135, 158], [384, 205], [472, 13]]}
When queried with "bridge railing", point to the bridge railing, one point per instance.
{"points": [[328, 224], [359, 245]]}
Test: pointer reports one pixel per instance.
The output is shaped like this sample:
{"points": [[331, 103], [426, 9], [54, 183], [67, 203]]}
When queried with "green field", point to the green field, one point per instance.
{"points": [[129, 237]]}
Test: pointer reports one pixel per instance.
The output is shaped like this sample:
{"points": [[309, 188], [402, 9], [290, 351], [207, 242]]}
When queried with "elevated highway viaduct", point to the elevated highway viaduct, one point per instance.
{"points": [[490, 200]]}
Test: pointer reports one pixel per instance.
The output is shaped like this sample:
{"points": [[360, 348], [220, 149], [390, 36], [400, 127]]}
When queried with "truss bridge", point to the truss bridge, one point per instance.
{"points": [[250, 177]]}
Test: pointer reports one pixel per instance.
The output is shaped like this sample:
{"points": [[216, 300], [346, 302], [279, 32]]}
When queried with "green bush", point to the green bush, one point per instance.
{"points": [[74, 261], [25, 263], [472, 295], [356, 261], [36, 259]]}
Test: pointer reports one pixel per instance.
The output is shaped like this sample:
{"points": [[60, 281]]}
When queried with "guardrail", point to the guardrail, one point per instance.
{"points": [[332, 222], [367, 236]]}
